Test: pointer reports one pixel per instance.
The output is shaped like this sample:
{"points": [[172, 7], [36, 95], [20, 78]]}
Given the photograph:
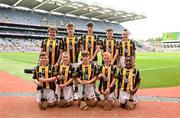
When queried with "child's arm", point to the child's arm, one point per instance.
{"points": [[80, 81], [35, 78], [137, 83], [91, 81], [67, 83], [47, 79]]}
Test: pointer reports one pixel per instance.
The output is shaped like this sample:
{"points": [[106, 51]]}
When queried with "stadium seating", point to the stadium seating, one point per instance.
{"points": [[22, 45], [45, 19]]}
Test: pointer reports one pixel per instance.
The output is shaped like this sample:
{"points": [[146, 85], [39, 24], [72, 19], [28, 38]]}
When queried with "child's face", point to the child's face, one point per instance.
{"points": [[106, 59], [128, 62], [44, 60], [85, 58], [109, 34], [52, 34], [70, 30], [125, 35], [90, 29], [65, 58]]}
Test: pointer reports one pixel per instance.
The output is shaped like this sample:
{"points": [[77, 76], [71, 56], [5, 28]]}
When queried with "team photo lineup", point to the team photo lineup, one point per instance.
{"points": [[89, 58], [86, 69]]}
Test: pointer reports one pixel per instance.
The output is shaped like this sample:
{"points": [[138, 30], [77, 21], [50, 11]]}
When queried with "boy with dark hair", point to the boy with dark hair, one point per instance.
{"points": [[128, 84]]}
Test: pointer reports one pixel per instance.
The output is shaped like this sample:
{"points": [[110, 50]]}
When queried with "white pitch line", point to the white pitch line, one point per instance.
{"points": [[159, 68]]}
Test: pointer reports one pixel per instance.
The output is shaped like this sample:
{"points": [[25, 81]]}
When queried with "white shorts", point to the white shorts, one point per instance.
{"points": [[49, 95], [89, 91], [67, 93], [124, 97], [111, 96]]}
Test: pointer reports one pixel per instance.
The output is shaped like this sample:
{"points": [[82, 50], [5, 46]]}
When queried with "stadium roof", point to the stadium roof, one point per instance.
{"points": [[75, 8]]}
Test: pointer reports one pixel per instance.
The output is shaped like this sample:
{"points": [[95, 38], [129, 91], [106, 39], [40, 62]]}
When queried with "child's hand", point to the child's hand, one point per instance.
{"points": [[41, 80], [107, 91], [61, 86], [40, 84], [87, 82], [100, 75]]}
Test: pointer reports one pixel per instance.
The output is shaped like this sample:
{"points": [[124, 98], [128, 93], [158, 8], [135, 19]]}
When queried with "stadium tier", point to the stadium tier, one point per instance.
{"points": [[18, 27], [44, 19]]}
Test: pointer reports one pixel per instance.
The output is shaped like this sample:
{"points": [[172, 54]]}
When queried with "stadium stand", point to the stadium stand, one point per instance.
{"points": [[23, 29]]}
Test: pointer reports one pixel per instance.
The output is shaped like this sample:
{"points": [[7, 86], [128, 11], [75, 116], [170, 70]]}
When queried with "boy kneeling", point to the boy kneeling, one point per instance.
{"points": [[45, 80], [86, 78], [106, 84], [65, 82], [128, 84]]}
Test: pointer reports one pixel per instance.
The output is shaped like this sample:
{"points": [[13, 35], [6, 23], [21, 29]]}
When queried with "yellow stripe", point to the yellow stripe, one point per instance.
{"points": [[130, 80], [92, 44], [73, 48], [66, 72], [89, 71], [124, 75], [112, 47], [53, 50], [109, 77], [129, 47], [46, 74]]}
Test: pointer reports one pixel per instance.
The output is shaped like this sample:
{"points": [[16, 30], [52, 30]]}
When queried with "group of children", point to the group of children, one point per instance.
{"points": [[96, 85], [67, 67]]}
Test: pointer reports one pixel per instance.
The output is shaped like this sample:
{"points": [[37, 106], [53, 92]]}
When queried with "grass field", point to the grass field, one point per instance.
{"points": [[157, 69]]}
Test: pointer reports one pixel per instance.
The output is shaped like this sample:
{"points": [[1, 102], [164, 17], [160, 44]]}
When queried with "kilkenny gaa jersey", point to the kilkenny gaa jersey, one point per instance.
{"points": [[45, 72], [128, 79], [86, 72], [72, 46], [110, 46], [127, 48], [65, 73], [53, 47], [109, 72], [89, 43]]}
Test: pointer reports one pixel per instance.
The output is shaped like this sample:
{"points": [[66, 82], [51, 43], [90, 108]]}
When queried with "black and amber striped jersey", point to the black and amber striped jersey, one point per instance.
{"points": [[110, 46], [128, 79], [53, 47], [72, 46], [65, 73], [89, 43], [127, 48], [45, 72], [86, 72], [109, 75]]}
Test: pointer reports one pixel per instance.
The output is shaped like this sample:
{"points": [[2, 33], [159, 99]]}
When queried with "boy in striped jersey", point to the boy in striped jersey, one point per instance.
{"points": [[127, 48], [86, 78], [65, 81], [105, 85], [128, 84], [44, 77]]}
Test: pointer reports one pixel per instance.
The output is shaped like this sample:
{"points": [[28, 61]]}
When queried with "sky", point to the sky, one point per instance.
{"points": [[162, 16]]}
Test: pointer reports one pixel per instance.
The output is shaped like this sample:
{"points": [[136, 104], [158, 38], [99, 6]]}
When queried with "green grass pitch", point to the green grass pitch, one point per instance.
{"points": [[156, 69]]}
